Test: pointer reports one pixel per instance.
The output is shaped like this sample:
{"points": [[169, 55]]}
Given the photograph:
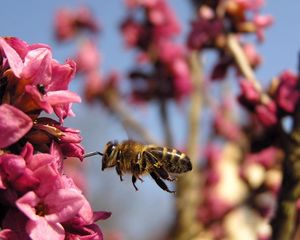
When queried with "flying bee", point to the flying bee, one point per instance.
{"points": [[162, 163]]}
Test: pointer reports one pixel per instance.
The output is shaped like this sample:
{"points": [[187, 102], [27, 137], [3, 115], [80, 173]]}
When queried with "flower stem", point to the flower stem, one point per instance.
{"points": [[187, 186]]}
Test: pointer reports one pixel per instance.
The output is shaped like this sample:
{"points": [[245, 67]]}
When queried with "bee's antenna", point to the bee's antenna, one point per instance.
{"points": [[92, 154]]}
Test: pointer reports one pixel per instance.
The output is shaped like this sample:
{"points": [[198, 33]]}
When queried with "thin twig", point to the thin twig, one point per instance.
{"points": [[166, 124], [187, 186], [116, 105]]}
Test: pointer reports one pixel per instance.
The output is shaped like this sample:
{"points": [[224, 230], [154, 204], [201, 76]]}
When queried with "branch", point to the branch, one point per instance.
{"points": [[187, 201], [165, 122], [115, 104], [284, 221]]}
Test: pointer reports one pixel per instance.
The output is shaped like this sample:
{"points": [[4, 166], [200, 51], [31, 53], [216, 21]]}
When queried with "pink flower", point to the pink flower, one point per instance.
{"points": [[42, 82], [287, 94], [45, 130], [164, 20], [14, 124], [45, 214], [88, 57], [253, 5], [249, 93], [132, 32], [204, 33], [267, 157], [77, 229], [69, 23], [253, 57], [267, 113], [15, 173], [224, 123], [262, 22]]}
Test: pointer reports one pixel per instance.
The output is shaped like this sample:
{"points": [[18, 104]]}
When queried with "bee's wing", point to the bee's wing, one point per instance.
{"points": [[154, 161], [173, 161], [138, 133]]}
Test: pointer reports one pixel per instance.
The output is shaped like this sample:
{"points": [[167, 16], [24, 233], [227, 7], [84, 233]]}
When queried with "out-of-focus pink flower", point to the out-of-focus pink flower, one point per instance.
{"points": [[267, 157], [224, 123], [69, 23], [164, 19], [14, 124], [287, 94], [261, 23], [132, 32], [250, 4], [99, 88], [204, 33], [88, 57], [93, 85], [174, 57], [252, 55], [267, 113], [136, 3], [249, 94]]}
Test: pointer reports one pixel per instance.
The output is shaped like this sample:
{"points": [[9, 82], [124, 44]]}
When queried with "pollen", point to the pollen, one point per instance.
{"points": [[41, 209]]}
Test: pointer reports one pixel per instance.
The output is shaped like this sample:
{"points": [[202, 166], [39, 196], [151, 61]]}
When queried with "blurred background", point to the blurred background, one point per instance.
{"points": [[148, 213]]}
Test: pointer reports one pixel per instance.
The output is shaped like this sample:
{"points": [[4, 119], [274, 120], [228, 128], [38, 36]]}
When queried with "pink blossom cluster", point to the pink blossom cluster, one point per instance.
{"points": [[71, 24], [38, 200], [235, 184], [218, 19], [284, 96], [162, 70]]}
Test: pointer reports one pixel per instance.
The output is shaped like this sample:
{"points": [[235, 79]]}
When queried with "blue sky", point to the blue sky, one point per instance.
{"points": [[32, 21]]}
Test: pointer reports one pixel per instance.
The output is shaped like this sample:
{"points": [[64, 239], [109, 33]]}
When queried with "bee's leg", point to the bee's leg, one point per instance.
{"points": [[159, 169], [118, 169], [160, 182], [163, 173], [136, 171], [133, 179]]}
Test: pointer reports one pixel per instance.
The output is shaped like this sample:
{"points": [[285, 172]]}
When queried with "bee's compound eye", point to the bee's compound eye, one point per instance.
{"points": [[110, 148]]}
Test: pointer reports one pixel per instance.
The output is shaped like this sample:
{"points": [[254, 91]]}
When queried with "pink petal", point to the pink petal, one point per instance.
{"points": [[20, 46], [27, 181], [39, 99], [101, 215], [14, 60], [62, 74], [37, 66], [12, 165], [43, 230], [63, 204], [61, 97], [14, 124], [27, 205]]}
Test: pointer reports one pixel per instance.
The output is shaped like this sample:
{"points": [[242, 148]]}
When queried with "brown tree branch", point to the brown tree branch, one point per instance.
{"points": [[116, 106], [284, 221], [187, 186], [165, 122]]}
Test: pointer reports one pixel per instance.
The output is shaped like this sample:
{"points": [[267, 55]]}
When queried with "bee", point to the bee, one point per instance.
{"points": [[162, 163]]}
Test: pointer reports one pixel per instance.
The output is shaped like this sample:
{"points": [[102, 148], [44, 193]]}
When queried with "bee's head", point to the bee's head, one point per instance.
{"points": [[110, 155]]}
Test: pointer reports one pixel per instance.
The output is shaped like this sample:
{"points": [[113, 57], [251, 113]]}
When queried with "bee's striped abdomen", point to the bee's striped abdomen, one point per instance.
{"points": [[173, 160]]}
